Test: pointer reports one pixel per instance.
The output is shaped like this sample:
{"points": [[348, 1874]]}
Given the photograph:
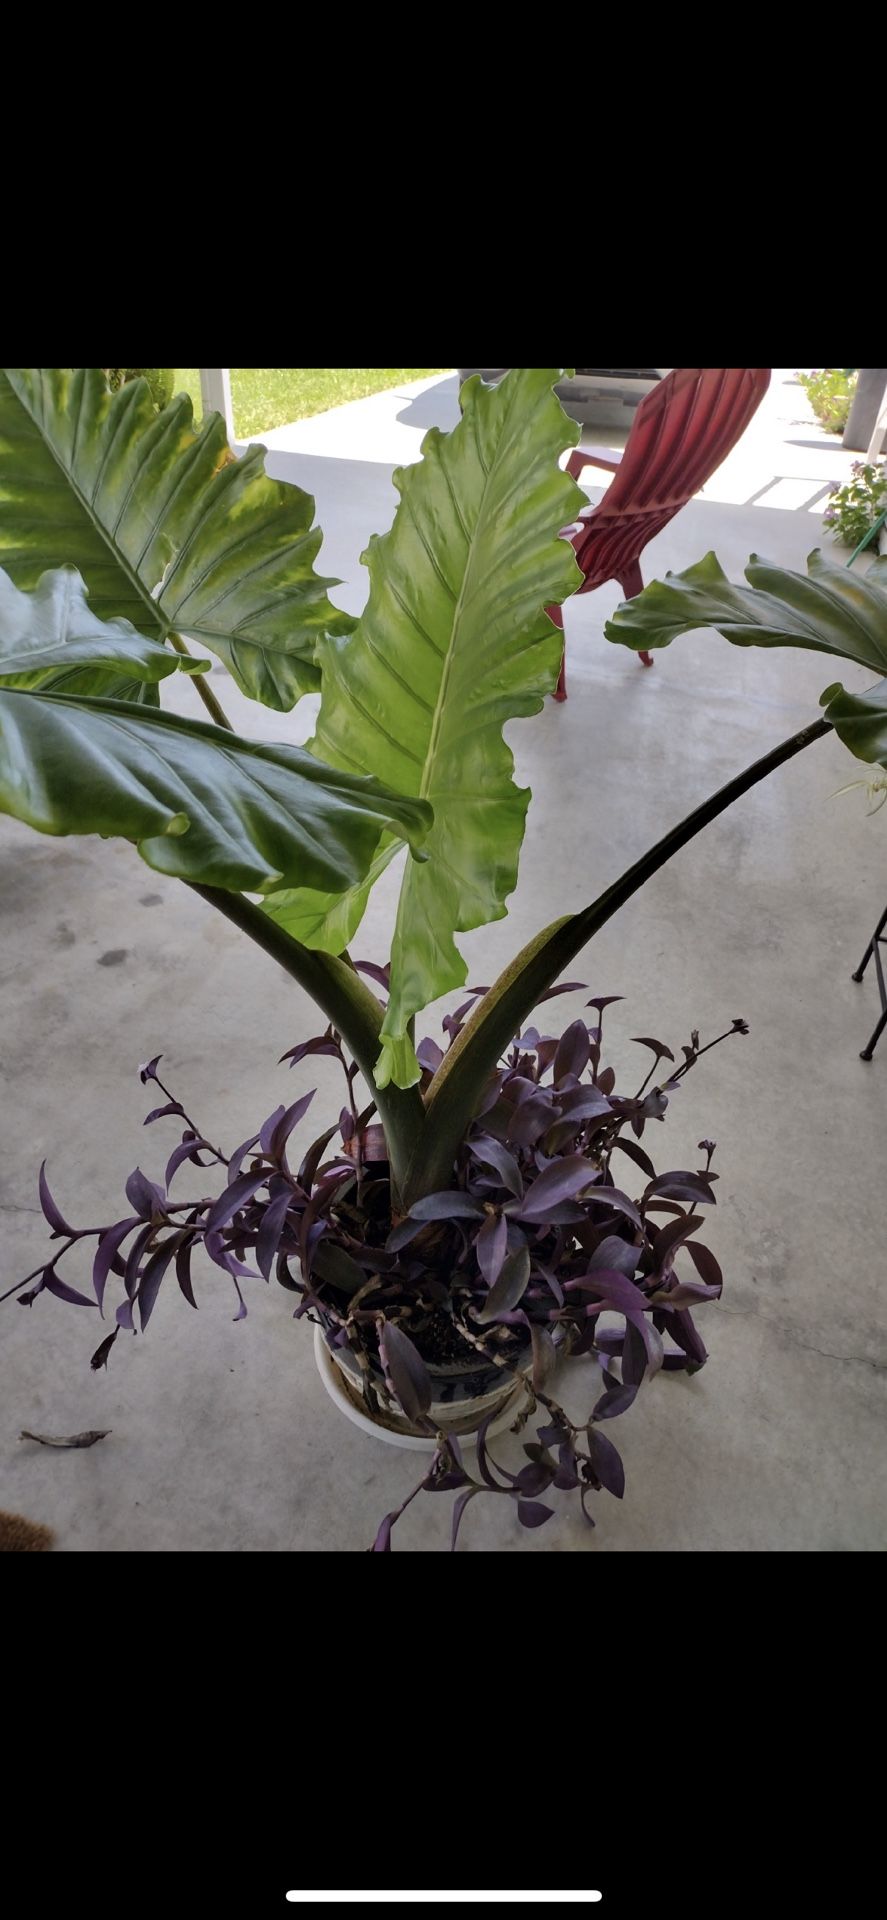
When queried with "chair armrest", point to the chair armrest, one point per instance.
{"points": [[593, 457]]}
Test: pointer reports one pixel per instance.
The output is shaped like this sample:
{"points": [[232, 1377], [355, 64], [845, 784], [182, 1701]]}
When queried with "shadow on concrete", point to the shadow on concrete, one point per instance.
{"points": [[438, 406], [828, 444]]}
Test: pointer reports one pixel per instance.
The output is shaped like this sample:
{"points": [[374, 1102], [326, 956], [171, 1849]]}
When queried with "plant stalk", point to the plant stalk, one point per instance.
{"points": [[457, 1084], [340, 994], [213, 708]]}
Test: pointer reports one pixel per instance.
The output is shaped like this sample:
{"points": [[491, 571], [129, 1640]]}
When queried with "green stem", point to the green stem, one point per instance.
{"points": [[215, 711], [355, 1013], [499, 1016]]}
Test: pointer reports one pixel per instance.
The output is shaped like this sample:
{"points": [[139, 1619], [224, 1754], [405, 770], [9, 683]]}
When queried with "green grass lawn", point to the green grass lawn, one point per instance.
{"points": [[266, 397]]}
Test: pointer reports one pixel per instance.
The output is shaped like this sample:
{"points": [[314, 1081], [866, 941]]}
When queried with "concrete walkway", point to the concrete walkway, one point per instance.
{"points": [[223, 1438]]}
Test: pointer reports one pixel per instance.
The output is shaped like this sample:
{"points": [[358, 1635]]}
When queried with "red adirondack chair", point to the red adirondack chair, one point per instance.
{"points": [[680, 434]]}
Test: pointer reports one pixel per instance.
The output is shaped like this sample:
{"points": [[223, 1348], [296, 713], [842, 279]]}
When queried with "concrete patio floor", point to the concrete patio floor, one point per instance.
{"points": [[223, 1438]]}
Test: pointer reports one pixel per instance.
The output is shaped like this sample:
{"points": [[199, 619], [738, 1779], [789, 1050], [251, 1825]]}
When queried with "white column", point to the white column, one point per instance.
{"points": [[215, 392], [876, 443]]}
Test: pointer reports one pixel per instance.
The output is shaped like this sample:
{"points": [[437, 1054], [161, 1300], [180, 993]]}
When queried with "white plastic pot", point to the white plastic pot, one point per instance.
{"points": [[443, 1416]]}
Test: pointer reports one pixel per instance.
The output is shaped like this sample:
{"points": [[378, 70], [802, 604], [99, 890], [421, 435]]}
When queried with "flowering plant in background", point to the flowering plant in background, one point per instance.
{"points": [[854, 509], [830, 393]]}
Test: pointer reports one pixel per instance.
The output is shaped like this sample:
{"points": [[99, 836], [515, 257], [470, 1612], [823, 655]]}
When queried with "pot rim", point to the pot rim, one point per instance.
{"points": [[329, 1373]]}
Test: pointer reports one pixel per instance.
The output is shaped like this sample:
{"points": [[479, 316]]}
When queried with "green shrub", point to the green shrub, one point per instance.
{"points": [[852, 510], [830, 392], [160, 380]]}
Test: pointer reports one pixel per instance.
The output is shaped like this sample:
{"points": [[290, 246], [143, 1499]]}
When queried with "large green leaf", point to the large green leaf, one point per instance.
{"points": [[198, 801], [828, 610], [165, 529], [51, 639], [860, 720], [455, 641], [327, 922]]}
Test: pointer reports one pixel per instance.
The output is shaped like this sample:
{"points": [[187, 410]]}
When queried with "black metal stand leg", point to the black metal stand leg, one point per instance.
{"points": [[882, 923], [878, 939], [867, 1052]]}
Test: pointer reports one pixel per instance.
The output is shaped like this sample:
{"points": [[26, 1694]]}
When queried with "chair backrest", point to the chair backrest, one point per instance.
{"points": [[681, 433]]}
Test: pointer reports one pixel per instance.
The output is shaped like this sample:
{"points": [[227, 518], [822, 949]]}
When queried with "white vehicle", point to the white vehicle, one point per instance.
{"points": [[606, 396]]}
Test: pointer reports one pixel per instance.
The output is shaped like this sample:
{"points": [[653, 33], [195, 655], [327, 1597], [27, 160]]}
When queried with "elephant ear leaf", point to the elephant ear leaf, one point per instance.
{"points": [[167, 530], [827, 610], [51, 639], [454, 641], [198, 801]]}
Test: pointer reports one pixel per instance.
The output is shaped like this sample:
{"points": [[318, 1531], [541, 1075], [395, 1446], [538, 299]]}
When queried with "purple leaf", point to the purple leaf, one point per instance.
{"points": [[509, 1288], [346, 1124], [706, 1265], [143, 1194], [183, 1272], [685, 1335], [320, 1044], [57, 1221], [607, 1463], [569, 986], [149, 1070], [401, 1235], [532, 1118], [611, 1197], [233, 1198], [658, 1047], [313, 1157], [267, 1133], [106, 1251], [382, 975], [669, 1237], [531, 1513], [286, 1125], [100, 1357], [615, 1253], [450, 1205], [617, 1294], [637, 1154], [612, 1404], [159, 1113], [584, 1103], [604, 1000], [483, 1461], [123, 1315], [149, 1285], [491, 1153], [563, 1180], [643, 1345], [382, 1542], [131, 1269], [236, 1161], [63, 1292], [458, 1510], [681, 1186], [687, 1293], [535, 1477], [573, 1051], [490, 1247], [406, 1371], [270, 1232], [429, 1055], [188, 1150]]}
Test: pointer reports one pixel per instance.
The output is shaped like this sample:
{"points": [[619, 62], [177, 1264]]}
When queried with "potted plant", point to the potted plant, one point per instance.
{"points": [[465, 1223]]}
